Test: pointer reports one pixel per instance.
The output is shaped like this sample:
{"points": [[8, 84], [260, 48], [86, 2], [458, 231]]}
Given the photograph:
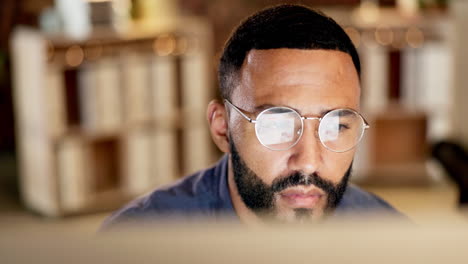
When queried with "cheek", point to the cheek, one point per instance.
{"points": [[335, 165], [267, 164]]}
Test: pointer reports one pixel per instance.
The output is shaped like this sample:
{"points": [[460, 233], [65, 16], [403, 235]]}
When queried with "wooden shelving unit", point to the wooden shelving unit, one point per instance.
{"points": [[407, 94], [104, 120]]}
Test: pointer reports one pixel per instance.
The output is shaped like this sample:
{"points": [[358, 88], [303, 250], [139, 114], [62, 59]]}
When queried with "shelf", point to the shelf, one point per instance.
{"points": [[104, 120]]}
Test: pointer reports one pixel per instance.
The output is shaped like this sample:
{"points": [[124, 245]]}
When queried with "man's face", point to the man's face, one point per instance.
{"points": [[308, 179]]}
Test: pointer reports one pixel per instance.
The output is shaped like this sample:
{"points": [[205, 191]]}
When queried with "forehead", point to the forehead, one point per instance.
{"points": [[308, 80]]}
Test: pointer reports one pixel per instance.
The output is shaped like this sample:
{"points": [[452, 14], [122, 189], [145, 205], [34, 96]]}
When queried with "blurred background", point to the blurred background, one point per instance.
{"points": [[104, 100]]}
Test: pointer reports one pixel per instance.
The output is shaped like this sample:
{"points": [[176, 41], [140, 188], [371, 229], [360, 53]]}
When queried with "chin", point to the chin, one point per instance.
{"points": [[299, 215], [295, 211]]}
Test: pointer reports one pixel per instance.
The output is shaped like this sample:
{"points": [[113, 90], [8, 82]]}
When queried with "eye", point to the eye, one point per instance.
{"points": [[343, 127]]}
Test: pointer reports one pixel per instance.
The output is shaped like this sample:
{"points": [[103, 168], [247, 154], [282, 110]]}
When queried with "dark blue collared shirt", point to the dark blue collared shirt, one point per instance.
{"points": [[206, 194]]}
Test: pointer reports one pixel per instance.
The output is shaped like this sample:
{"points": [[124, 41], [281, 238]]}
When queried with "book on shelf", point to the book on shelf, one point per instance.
{"points": [[196, 149], [196, 85], [411, 77], [164, 156], [88, 97], [73, 173], [136, 88], [108, 85], [164, 87], [137, 161], [55, 93], [100, 96], [374, 78], [151, 159]]}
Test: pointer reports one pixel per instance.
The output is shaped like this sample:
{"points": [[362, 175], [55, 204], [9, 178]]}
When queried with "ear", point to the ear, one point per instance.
{"points": [[217, 119]]}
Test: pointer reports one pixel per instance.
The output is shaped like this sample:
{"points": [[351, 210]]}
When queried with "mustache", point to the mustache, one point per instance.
{"points": [[301, 179]]}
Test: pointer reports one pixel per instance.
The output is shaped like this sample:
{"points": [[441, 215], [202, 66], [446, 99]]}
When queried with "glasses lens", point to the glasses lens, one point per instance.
{"points": [[341, 130], [278, 128]]}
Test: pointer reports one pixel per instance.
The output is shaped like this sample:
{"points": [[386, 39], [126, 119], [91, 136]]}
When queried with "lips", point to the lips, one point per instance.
{"points": [[301, 198]]}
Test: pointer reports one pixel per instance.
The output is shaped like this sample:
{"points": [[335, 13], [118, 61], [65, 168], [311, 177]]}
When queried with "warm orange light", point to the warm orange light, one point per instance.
{"points": [[354, 35], [384, 36], [74, 56], [164, 45], [414, 37]]}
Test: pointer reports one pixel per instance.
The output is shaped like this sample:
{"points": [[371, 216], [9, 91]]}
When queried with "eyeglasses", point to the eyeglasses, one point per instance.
{"points": [[280, 128]]}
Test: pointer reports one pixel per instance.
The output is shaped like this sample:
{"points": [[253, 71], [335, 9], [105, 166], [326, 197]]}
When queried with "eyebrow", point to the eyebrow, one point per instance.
{"points": [[346, 113], [262, 107], [258, 109]]}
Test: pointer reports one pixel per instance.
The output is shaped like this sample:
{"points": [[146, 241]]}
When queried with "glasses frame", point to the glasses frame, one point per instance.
{"points": [[302, 118]]}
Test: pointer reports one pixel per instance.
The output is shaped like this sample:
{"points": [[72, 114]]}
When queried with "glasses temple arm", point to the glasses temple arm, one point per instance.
{"points": [[240, 112], [366, 124]]}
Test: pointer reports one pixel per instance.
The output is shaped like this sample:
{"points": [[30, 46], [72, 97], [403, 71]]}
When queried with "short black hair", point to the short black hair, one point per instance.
{"points": [[282, 26]]}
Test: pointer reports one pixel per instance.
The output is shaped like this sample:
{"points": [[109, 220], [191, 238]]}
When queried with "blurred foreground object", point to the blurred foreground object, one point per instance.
{"points": [[358, 241], [101, 121], [455, 161]]}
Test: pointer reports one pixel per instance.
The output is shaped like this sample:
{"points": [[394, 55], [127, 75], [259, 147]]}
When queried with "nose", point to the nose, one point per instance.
{"points": [[307, 153]]}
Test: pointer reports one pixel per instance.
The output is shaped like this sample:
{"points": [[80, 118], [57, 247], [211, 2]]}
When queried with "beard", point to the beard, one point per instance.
{"points": [[261, 198]]}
